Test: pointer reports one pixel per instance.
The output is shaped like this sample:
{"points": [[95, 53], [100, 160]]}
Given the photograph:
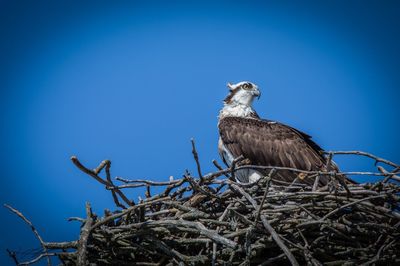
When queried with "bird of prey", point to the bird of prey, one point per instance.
{"points": [[264, 142]]}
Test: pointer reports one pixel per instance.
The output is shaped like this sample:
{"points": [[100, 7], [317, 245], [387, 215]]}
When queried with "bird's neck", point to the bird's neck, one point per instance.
{"points": [[237, 110]]}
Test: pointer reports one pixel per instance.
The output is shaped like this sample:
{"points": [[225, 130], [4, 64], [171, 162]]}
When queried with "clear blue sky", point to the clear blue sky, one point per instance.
{"points": [[134, 81]]}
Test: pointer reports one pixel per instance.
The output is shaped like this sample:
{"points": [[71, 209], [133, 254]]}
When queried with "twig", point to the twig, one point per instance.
{"points": [[220, 219], [216, 164], [329, 161], [78, 219], [101, 166], [148, 182], [295, 170], [127, 211], [75, 160], [350, 204], [269, 228], [13, 256], [389, 175], [61, 245], [269, 177], [113, 189], [316, 183], [219, 167], [196, 158], [328, 168], [85, 233], [38, 258], [362, 153], [197, 186], [35, 232], [200, 228]]}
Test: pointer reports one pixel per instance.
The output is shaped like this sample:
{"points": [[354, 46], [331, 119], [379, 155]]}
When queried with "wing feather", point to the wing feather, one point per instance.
{"points": [[270, 143]]}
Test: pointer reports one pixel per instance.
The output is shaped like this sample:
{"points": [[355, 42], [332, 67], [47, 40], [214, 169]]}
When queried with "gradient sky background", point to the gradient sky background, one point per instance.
{"points": [[134, 81]]}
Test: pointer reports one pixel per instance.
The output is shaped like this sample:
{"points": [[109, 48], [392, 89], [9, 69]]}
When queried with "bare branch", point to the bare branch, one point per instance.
{"points": [[105, 163], [269, 177], [85, 233], [35, 232], [196, 158], [366, 154]]}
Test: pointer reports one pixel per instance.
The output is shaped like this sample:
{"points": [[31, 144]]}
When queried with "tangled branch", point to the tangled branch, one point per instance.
{"points": [[212, 219]]}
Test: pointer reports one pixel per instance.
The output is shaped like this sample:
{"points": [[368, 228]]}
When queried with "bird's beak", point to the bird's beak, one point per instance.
{"points": [[230, 86], [257, 93]]}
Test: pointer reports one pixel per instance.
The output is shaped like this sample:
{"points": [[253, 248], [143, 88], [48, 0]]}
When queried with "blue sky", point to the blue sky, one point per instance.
{"points": [[134, 81]]}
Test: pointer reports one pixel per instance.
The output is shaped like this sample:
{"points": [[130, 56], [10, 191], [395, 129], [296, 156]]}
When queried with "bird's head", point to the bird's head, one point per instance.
{"points": [[242, 93]]}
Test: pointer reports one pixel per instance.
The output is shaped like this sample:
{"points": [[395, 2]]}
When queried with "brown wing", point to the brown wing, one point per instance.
{"points": [[270, 144]]}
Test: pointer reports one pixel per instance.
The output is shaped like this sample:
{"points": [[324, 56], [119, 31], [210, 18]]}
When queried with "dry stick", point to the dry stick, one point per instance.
{"points": [[220, 219], [148, 182], [125, 186], [13, 256], [269, 177], [362, 153], [179, 206], [274, 259], [158, 244], [38, 258], [269, 228], [236, 239], [389, 174], [197, 187], [171, 186], [247, 244], [216, 164], [329, 161], [85, 232], [299, 171], [306, 250], [101, 166], [61, 245], [382, 248], [35, 232], [316, 182], [148, 193], [341, 178], [376, 258], [212, 176], [350, 204], [233, 169], [127, 211], [196, 158], [200, 228], [78, 164], [292, 185], [108, 177], [219, 167], [78, 219], [328, 168]]}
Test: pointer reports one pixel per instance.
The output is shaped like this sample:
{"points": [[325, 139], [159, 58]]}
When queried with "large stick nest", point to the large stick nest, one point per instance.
{"points": [[212, 219]]}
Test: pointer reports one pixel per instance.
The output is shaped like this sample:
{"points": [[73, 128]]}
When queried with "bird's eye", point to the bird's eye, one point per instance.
{"points": [[247, 86]]}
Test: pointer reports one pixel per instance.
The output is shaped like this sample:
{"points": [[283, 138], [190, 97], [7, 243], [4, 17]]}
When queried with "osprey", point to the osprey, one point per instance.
{"points": [[264, 142]]}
